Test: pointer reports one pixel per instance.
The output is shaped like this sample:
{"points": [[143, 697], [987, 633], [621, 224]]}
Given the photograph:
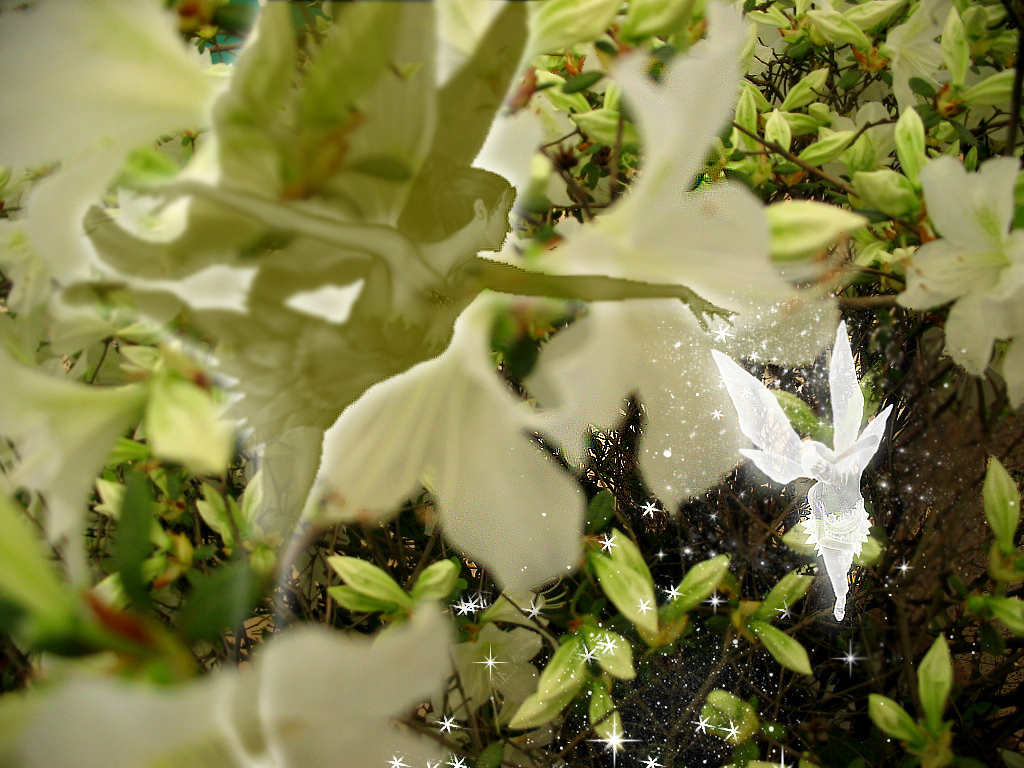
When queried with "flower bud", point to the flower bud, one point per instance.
{"points": [[887, 191]]}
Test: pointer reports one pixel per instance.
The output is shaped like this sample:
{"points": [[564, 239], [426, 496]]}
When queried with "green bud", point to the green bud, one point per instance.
{"points": [[910, 142], [564, 102], [956, 50], [975, 21], [934, 681], [994, 91], [538, 709], [890, 192], [369, 581], [353, 600], [837, 29], [862, 155], [869, 15], [777, 129], [729, 717], [560, 24], [746, 115], [783, 648], [799, 123], [646, 18], [1002, 505], [805, 91], [566, 671], [827, 148], [602, 125], [820, 112], [436, 582], [802, 228]]}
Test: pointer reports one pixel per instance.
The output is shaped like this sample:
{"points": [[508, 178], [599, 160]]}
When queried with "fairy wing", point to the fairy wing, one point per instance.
{"points": [[762, 420], [847, 399], [860, 452]]}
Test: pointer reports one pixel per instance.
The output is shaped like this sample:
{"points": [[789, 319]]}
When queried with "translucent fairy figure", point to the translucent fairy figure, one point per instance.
{"points": [[841, 522]]}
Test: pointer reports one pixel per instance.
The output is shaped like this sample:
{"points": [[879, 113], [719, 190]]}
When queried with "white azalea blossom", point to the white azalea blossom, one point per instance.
{"points": [[715, 241], [978, 263], [310, 696], [840, 521], [913, 50]]}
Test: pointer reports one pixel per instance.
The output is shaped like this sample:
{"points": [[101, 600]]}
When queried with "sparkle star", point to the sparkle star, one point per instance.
{"points": [[464, 607], [533, 611], [490, 661], [783, 611], [716, 415], [607, 645], [849, 659], [644, 607], [650, 762], [396, 762], [607, 543], [672, 592], [702, 724], [732, 731], [724, 333], [614, 742], [715, 601], [649, 509], [782, 759], [903, 567], [455, 762], [447, 723]]}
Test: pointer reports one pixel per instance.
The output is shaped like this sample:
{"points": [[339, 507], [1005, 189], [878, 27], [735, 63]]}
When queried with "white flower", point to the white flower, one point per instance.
{"points": [[978, 263], [714, 241], [494, 664], [466, 437], [115, 76], [912, 49], [841, 522], [63, 432], [311, 696]]}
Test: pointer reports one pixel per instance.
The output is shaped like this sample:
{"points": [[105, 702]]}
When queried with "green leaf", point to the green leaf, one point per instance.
{"points": [[27, 576], [600, 510], [582, 81], [491, 755], [893, 719], [612, 651], [222, 601], [601, 704], [1002, 505], [783, 648], [436, 582], [922, 87], [538, 709], [1010, 611], [698, 583], [369, 580], [802, 417], [729, 717], [790, 588], [184, 425], [628, 590], [647, 18], [558, 24], [565, 671], [133, 537], [353, 600], [934, 681]]}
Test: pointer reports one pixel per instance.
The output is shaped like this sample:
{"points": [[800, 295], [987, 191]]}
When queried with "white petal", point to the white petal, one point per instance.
{"points": [[941, 271], [971, 332], [973, 210], [1013, 372], [64, 432], [680, 117], [451, 422], [847, 399], [653, 348]]}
